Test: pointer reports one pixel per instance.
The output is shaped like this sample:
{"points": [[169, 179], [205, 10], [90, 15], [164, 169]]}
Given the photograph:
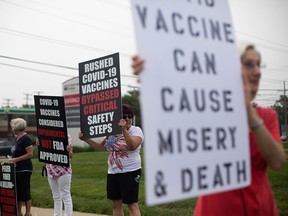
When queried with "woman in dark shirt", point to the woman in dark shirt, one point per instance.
{"points": [[22, 153]]}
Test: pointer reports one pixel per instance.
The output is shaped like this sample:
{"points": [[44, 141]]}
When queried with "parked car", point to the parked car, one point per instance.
{"points": [[5, 148], [283, 138]]}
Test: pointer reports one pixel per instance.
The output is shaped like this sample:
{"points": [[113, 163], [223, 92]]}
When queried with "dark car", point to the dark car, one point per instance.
{"points": [[5, 148]]}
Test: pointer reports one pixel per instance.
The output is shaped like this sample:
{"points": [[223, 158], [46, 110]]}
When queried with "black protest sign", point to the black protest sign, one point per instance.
{"points": [[100, 96], [8, 190], [51, 130]]}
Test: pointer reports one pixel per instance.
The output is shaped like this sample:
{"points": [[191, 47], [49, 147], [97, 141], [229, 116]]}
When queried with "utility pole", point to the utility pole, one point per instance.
{"points": [[27, 97], [285, 110], [38, 92], [7, 103]]}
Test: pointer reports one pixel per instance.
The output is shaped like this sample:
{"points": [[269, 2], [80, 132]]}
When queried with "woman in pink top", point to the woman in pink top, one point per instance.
{"points": [[59, 178], [266, 150]]}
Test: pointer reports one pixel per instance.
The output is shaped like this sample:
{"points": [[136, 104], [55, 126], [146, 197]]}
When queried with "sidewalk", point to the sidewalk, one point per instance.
{"points": [[49, 212]]}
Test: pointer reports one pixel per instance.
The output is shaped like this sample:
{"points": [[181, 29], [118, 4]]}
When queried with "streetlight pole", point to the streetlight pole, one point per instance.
{"points": [[285, 111]]}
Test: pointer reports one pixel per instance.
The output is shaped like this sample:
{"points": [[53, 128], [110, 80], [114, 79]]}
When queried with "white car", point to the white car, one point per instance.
{"points": [[283, 138]]}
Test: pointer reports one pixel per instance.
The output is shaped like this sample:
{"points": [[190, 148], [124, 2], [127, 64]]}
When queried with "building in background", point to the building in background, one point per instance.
{"points": [[6, 114], [70, 90]]}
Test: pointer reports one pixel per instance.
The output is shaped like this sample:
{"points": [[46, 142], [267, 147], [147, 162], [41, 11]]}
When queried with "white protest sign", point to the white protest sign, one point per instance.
{"points": [[194, 116]]}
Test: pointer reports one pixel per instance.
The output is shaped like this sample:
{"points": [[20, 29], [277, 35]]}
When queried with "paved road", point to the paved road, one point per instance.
{"points": [[49, 212]]}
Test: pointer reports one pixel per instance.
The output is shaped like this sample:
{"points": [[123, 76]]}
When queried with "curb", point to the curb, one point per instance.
{"points": [[48, 212]]}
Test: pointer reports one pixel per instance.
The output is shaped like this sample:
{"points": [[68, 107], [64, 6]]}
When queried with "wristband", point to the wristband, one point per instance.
{"points": [[257, 125]]}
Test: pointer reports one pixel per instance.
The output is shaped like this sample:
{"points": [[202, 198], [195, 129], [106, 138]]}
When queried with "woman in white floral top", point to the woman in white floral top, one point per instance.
{"points": [[124, 163]]}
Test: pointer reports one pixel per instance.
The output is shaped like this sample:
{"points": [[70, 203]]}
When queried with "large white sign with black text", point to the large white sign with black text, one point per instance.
{"points": [[194, 116]]}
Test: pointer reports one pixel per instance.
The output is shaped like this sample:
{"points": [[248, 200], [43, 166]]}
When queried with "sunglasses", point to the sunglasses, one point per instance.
{"points": [[130, 116]]}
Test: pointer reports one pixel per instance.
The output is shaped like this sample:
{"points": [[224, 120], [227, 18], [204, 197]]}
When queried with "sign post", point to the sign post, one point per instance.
{"points": [[192, 100]]}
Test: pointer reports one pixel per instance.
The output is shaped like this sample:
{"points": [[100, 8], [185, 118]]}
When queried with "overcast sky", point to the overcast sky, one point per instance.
{"points": [[42, 42]]}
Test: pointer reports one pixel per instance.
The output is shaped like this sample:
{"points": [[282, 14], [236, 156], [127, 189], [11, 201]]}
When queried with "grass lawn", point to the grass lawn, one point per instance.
{"points": [[89, 188]]}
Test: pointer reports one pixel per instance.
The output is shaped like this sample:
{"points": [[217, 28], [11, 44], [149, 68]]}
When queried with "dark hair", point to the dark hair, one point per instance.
{"points": [[127, 109]]}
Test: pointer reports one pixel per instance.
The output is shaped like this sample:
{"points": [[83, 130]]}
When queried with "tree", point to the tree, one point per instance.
{"points": [[280, 107]]}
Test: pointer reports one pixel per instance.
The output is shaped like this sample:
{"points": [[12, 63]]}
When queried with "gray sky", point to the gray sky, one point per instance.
{"points": [[64, 33]]}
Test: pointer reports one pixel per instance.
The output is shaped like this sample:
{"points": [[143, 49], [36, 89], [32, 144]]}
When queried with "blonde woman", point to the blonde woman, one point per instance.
{"points": [[22, 153]]}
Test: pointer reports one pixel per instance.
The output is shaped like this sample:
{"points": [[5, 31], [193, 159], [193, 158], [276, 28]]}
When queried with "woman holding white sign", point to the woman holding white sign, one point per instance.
{"points": [[124, 164], [266, 150]]}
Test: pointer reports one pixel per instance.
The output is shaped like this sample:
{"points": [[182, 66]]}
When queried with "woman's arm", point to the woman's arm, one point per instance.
{"points": [[132, 142], [94, 144], [271, 150], [29, 154], [69, 148], [137, 64]]}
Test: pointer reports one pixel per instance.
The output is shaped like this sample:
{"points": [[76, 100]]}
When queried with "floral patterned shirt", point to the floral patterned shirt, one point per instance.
{"points": [[120, 159], [55, 171]]}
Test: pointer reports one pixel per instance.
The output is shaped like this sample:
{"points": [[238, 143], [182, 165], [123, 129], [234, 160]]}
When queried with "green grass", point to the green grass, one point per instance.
{"points": [[279, 183], [89, 189]]}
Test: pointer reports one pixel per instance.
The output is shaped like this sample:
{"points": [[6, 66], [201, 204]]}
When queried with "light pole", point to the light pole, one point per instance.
{"points": [[285, 111]]}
